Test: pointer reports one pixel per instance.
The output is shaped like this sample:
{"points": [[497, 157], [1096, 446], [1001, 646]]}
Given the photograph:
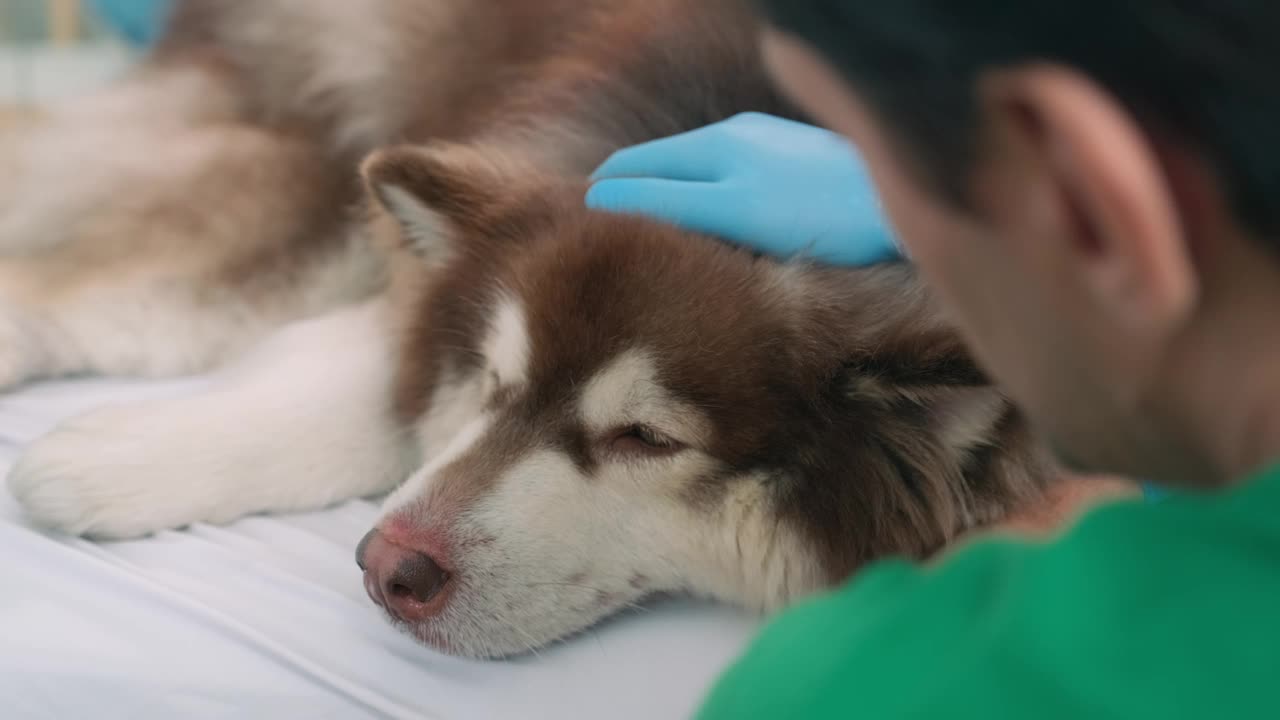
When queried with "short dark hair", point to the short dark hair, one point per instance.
{"points": [[1205, 73]]}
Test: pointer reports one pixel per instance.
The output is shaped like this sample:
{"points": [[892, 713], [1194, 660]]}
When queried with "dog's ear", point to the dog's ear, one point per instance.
{"points": [[899, 356], [940, 431], [934, 381], [437, 193], [937, 448]]}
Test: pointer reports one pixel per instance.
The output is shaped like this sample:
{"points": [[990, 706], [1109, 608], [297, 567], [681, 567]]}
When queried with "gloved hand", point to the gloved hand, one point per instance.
{"points": [[138, 21], [778, 186]]}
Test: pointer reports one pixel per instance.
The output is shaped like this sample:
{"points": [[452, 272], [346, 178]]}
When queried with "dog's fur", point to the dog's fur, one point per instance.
{"points": [[588, 408]]}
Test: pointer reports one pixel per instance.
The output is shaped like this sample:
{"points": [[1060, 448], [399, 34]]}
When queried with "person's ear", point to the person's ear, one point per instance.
{"points": [[1081, 177]]}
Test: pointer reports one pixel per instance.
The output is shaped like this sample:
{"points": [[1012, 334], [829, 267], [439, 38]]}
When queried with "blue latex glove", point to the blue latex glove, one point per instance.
{"points": [[778, 186], [139, 22]]}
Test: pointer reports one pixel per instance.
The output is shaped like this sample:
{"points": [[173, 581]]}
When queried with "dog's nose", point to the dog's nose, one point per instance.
{"points": [[401, 580]]}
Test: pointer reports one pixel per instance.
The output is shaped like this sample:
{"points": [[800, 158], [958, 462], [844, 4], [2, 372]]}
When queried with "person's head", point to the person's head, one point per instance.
{"points": [[1089, 184]]}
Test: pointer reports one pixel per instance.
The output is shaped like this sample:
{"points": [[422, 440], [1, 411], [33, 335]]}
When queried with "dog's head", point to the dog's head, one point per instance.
{"points": [[610, 407]]}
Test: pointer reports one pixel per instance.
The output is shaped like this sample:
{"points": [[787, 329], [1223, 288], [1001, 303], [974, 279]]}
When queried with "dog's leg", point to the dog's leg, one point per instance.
{"points": [[217, 236], [159, 320], [64, 161], [301, 422]]}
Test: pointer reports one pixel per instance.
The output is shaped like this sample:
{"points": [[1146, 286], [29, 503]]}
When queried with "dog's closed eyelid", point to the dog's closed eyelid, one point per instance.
{"points": [[639, 439]]}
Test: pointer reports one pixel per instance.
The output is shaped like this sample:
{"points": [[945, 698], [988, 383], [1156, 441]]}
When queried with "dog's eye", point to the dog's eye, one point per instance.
{"points": [[643, 440]]}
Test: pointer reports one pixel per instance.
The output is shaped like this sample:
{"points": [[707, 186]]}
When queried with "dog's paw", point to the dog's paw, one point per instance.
{"points": [[112, 474]]}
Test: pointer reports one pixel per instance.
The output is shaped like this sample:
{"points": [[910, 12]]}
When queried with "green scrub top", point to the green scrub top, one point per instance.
{"points": [[1142, 610]]}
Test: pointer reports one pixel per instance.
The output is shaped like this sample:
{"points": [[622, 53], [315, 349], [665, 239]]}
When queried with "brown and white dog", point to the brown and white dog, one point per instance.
{"points": [[587, 408]]}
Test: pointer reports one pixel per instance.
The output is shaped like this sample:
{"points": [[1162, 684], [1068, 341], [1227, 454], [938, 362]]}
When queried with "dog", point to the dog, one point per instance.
{"points": [[367, 220]]}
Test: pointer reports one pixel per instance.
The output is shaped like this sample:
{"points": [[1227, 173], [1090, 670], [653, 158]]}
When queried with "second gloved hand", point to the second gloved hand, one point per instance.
{"points": [[140, 22], [778, 186]]}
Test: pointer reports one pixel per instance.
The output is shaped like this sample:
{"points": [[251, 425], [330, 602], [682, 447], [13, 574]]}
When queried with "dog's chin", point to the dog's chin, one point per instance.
{"points": [[425, 635], [479, 646], [435, 635], [453, 635]]}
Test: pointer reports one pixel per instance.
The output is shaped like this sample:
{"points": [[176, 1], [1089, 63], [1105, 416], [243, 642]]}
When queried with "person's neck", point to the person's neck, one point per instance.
{"points": [[1249, 434], [1232, 369], [1260, 442]]}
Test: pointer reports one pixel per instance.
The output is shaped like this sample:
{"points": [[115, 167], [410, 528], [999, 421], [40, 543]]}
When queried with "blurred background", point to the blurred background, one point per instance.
{"points": [[52, 49]]}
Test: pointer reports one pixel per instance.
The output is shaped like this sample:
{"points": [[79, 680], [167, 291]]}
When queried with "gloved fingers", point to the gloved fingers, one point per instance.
{"points": [[693, 156], [692, 205]]}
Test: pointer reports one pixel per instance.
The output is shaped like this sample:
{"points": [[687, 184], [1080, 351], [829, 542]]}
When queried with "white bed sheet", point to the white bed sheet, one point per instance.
{"points": [[267, 618]]}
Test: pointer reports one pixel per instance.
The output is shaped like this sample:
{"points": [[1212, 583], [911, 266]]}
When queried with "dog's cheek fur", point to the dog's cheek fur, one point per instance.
{"points": [[550, 549], [566, 549]]}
